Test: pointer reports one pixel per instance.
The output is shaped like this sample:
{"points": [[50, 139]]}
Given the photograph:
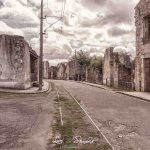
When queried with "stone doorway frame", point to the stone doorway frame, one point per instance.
{"points": [[144, 85]]}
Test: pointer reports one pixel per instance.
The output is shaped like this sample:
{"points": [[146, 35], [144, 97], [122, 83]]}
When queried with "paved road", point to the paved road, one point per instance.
{"points": [[124, 120], [25, 121]]}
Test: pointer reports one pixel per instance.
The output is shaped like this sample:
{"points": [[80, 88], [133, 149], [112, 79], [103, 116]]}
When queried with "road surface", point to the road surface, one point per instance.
{"points": [[124, 120], [25, 121]]}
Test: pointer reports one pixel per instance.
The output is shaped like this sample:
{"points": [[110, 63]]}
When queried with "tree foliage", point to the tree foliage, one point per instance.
{"points": [[82, 58], [97, 63]]}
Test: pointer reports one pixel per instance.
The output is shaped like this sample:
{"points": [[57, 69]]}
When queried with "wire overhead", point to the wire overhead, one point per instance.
{"points": [[47, 3], [61, 18], [63, 13]]}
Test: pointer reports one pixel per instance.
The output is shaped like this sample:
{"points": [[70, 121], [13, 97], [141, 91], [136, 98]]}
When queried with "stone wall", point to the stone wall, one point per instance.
{"points": [[107, 68], [45, 69], [94, 75], [117, 71], [53, 72], [142, 17], [34, 66], [61, 71], [14, 62], [74, 70], [67, 70]]}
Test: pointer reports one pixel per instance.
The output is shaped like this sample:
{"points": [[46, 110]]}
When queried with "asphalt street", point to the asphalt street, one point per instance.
{"points": [[124, 120], [25, 120]]}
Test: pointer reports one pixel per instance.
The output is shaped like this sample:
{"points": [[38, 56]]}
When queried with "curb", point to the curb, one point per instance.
{"points": [[140, 98], [25, 92], [92, 85], [104, 88]]}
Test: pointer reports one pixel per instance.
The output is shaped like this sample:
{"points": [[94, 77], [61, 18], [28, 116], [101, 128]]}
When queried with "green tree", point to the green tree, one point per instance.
{"points": [[97, 63], [83, 59]]}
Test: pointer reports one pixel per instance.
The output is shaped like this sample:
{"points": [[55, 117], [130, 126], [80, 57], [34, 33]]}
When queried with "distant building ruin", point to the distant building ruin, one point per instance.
{"points": [[76, 72], [61, 71], [94, 75], [142, 63], [45, 69], [67, 70], [117, 71], [53, 72], [18, 63]]}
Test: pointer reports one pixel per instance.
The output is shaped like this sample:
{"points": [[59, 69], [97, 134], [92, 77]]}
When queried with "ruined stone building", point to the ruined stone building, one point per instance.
{"points": [[142, 63], [75, 71], [67, 70], [117, 71], [18, 63], [53, 72], [45, 69], [93, 75], [34, 66], [61, 71]]}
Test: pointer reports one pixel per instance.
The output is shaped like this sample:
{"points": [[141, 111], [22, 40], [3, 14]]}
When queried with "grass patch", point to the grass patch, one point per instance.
{"points": [[75, 124], [62, 99], [67, 133]]}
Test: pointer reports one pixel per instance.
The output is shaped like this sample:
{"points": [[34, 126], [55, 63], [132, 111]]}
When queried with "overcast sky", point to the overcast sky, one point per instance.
{"points": [[92, 25]]}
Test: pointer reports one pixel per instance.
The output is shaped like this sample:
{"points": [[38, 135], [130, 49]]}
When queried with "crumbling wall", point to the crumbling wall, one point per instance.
{"points": [[14, 62], [108, 67], [45, 69], [61, 71], [74, 70], [142, 43], [67, 71], [53, 72], [94, 75], [117, 70]]}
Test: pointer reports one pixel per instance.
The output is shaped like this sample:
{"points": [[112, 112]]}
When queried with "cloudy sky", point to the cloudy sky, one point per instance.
{"points": [[91, 25]]}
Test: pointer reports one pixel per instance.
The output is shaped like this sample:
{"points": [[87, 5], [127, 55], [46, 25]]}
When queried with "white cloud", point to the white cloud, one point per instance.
{"points": [[5, 29], [90, 25], [17, 15]]}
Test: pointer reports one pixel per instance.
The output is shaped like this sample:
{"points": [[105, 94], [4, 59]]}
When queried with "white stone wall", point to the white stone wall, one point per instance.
{"points": [[107, 69], [14, 62], [45, 69]]}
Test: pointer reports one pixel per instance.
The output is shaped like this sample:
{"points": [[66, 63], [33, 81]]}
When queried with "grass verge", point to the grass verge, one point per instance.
{"points": [[77, 133]]}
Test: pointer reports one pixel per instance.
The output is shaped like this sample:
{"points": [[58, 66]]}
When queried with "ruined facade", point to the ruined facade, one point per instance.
{"points": [[76, 71], [93, 75], [34, 66], [142, 63], [15, 62], [67, 70], [117, 71], [108, 67], [53, 72], [45, 69], [61, 71]]}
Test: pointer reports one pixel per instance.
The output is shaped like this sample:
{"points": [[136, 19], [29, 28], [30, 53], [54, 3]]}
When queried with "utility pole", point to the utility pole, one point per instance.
{"points": [[41, 49], [76, 76]]}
